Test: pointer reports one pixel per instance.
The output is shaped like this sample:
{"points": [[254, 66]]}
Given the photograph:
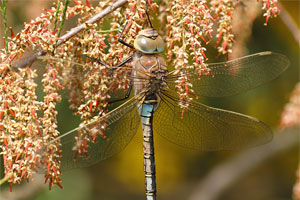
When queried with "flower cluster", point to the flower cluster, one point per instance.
{"points": [[23, 134], [223, 10], [189, 25], [270, 9], [51, 151], [89, 85], [20, 134]]}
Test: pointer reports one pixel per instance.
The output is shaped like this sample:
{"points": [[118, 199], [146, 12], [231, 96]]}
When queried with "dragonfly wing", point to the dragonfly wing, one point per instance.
{"points": [[123, 123], [207, 128], [239, 75]]}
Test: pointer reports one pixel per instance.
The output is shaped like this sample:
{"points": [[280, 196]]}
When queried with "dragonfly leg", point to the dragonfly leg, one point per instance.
{"points": [[113, 67], [126, 95], [148, 17], [122, 41]]}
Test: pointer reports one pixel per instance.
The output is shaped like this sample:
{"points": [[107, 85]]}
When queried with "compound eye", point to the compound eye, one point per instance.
{"points": [[144, 44], [160, 44]]}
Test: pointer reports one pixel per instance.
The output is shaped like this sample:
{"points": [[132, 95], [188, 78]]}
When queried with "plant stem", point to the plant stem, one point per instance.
{"points": [[63, 17], [56, 14], [3, 12], [109, 31], [2, 181]]}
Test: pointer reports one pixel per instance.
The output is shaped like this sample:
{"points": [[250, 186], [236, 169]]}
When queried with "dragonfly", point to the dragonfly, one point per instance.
{"points": [[155, 106]]}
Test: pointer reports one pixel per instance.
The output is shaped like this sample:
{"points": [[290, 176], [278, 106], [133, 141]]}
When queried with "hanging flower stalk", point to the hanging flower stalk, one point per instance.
{"points": [[189, 28], [270, 9], [223, 10], [19, 126], [22, 130]]}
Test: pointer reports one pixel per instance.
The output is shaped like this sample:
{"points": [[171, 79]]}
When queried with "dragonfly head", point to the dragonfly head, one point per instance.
{"points": [[149, 41]]}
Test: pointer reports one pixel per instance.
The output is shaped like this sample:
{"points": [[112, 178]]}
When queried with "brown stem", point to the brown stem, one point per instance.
{"points": [[28, 61]]}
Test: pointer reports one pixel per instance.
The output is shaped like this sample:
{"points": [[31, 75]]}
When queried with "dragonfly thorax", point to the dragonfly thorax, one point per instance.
{"points": [[150, 73], [149, 41]]}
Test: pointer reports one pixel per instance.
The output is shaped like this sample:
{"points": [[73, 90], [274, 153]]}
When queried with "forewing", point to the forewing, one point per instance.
{"points": [[207, 128], [123, 123], [239, 75]]}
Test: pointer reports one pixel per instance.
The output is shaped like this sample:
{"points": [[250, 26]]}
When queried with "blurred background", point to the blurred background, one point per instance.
{"points": [[183, 173]]}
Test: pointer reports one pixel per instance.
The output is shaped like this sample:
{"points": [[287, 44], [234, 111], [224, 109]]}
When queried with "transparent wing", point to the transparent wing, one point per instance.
{"points": [[129, 75], [207, 128], [239, 75], [123, 123]]}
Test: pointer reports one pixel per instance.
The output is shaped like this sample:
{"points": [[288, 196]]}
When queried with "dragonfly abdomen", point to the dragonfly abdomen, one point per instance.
{"points": [[146, 111]]}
